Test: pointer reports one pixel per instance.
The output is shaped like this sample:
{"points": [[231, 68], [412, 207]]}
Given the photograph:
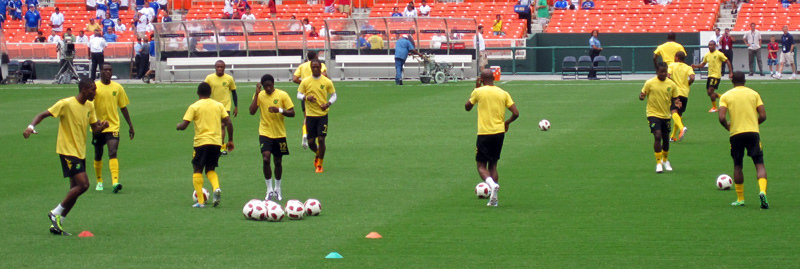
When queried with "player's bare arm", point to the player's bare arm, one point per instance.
{"points": [[182, 125], [285, 112], [469, 105], [722, 120], [36, 120], [99, 126], [227, 122], [691, 79], [514, 115], [655, 60], [127, 116], [311, 98], [254, 103], [762, 114], [642, 96], [730, 67], [296, 79]]}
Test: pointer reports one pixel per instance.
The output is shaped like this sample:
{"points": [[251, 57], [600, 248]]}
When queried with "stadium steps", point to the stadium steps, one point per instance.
{"points": [[768, 15], [726, 19]]}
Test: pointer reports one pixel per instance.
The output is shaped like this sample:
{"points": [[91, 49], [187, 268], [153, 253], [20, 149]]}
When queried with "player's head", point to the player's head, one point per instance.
{"points": [[785, 29], [661, 71], [487, 77], [268, 82], [738, 78], [316, 68], [712, 45], [204, 90], [680, 57], [671, 36], [219, 67], [106, 72], [87, 88]]}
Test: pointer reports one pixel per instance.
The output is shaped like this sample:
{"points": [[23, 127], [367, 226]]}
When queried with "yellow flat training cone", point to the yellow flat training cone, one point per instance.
{"points": [[85, 234], [374, 235]]}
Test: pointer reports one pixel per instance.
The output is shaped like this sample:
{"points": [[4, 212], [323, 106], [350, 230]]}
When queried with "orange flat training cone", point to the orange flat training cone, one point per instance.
{"points": [[374, 235], [86, 234]]}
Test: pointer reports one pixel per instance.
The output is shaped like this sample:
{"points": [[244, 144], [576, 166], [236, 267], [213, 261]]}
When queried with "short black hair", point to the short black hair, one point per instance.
{"points": [[85, 83], [204, 89], [738, 78], [661, 65], [680, 55], [316, 61], [267, 78], [671, 36]]}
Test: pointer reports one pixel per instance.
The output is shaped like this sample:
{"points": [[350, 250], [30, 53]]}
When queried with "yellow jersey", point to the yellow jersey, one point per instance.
{"points": [[221, 88], [207, 115], [375, 42], [659, 97], [492, 103], [742, 103], [73, 119], [498, 26], [715, 60], [679, 73], [304, 70], [109, 99], [667, 51], [319, 88], [272, 124]]}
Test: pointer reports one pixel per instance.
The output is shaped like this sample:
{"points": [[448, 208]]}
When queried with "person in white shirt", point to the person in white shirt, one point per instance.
{"points": [[227, 11], [148, 13], [716, 36], [143, 27], [57, 21], [248, 15], [424, 9], [664, 2], [436, 40], [97, 44], [81, 38], [162, 4], [54, 38], [120, 27], [323, 32], [306, 25], [101, 8], [480, 44], [410, 11], [91, 4]]}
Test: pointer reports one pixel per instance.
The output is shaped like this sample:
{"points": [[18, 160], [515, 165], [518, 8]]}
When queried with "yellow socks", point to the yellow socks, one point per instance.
{"points": [[678, 124], [197, 181], [714, 104], [658, 157], [113, 165], [224, 146], [98, 171], [762, 184], [740, 191], [304, 129], [319, 162], [664, 155], [213, 178]]}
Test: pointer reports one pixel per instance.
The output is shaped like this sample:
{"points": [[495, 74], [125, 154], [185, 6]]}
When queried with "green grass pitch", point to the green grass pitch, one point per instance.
{"points": [[401, 163]]}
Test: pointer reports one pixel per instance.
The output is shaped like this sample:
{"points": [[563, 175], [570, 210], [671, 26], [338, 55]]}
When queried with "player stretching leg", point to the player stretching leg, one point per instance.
{"points": [[314, 91], [74, 115], [303, 71], [683, 76], [209, 118], [715, 59], [110, 99], [275, 104], [222, 87], [659, 92], [492, 102]]}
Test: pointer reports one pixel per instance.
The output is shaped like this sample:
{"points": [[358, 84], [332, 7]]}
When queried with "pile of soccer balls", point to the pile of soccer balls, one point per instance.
{"points": [[271, 211]]}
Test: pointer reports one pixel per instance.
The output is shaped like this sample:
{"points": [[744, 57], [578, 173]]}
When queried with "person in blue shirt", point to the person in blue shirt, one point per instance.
{"points": [[109, 35], [396, 12], [155, 6], [32, 19], [402, 48], [3, 9], [108, 23], [594, 50], [32, 2], [362, 43], [561, 4], [113, 11], [587, 4], [17, 6], [139, 4]]}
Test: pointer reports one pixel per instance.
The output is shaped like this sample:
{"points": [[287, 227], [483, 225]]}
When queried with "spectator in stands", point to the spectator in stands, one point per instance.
{"points": [[93, 26], [323, 32], [97, 44], [149, 14], [91, 4], [716, 36], [410, 11], [594, 50], [344, 7], [294, 26], [650, 2], [480, 44], [587, 4], [497, 27], [57, 21], [32, 19], [786, 3], [110, 36], [15, 11], [543, 11], [143, 28], [167, 16], [526, 16], [753, 41], [361, 42], [772, 56], [123, 5], [248, 15], [140, 4], [575, 4], [54, 38], [787, 53], [403, 47], [306, 25], [396, 12], [437, 39], [108, 24], [11, 7], [4, 5], [69, 37], [424, 9], [40, 38], [162, 4], [726, 47], [81, 38], [102, 9], [330, 6], [241, 7], [273, 9], [35, 3], [313, 32], [153, 15], [561, 5], [375, 42], [120, 28], [113, 10]]}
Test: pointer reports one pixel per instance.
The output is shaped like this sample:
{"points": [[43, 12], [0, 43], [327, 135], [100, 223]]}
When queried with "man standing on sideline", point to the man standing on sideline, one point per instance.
{"points": [[304, 71], [97, 44], [275, 104], [110, 99], [137, 52], [716, 35], [659, 92], [492, 103], [667, 50], [787, 53], [746, 111], [726, 47], [594, 50], [314, 91], [753, 41], [715, 60], [75, 114], [222, 87], [402, 48], [683, 76], [480, 44]]}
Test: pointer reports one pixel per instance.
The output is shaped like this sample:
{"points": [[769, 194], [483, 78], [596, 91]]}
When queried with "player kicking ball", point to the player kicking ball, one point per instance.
{"points": [[75, 114], [659, 92], [492, 103], [209, 116], [683, 76], [275, 105]]}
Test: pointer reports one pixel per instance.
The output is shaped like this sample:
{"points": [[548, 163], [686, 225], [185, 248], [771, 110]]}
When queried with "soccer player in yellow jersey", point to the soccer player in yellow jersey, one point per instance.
{"points": [[683, 76], [222, 87], [275, 104], [303, 71], [209, 117], [314, 91], [492, 103], [659, 92], [667, 50], [75, 114], [715, 59], [110, 99], [746, 110]]}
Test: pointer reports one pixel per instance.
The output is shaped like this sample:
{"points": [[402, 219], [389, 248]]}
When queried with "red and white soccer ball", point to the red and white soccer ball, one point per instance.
{"points": [[259, 211], [724, 182], [294, 210], [205, 194], [274, 211], [250, 209], [482, 190], [313, 207], [544, 125]]}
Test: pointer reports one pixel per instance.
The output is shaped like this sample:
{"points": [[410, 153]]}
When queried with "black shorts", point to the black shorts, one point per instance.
{"points": [[277, 146], [659, 124], [71, 165], [684, 101], [206, 156], [99, 140], [488, 147], [749, 141], [712, 83], [317, 126]]}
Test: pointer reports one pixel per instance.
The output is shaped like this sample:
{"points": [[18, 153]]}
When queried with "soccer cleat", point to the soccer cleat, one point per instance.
{"points": [[712, 110], [683, 132], [217, 197], [319, 169], [55, 223], [316, 162], [99, 186], [793, 77], [270, 195], [672, 139], [117, 187], [57, 232], [304, 143], [667, 166], [659, 168], [763, 197], [199, 205], [493, 195], [224, 153], [738, 203], [278, 194]]}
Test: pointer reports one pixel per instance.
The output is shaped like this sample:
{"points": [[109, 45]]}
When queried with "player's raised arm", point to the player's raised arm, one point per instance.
{"points": [[254, 103], [36, 120]]}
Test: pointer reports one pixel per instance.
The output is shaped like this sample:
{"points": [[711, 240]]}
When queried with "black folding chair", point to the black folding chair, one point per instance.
{"points": [[584, 67], [569, 68], [614, 68]]}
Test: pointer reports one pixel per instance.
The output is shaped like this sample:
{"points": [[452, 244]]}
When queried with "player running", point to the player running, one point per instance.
{"points": [[746, 111], [683, 76], [314, 91], [303, 71], [110, 99], [492, 103], [222, 87], [209, 117], [659, 92], [75, 114], [275, 104], [667, 50], [715, 59]]}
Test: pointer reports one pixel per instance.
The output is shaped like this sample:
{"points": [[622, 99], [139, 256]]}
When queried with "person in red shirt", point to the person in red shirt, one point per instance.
{"points": [[344, 6], [726, 47], [273, 9], [329, 6], [772, 56]]}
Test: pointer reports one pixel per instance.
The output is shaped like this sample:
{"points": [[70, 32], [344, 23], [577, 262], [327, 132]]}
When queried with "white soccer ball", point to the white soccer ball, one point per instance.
{"points": [[313, 207], [250, 208], [205, 195], [274, 212], [544, 125], [482, 190], [724, 182], [259, 210], [294, 210]]}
